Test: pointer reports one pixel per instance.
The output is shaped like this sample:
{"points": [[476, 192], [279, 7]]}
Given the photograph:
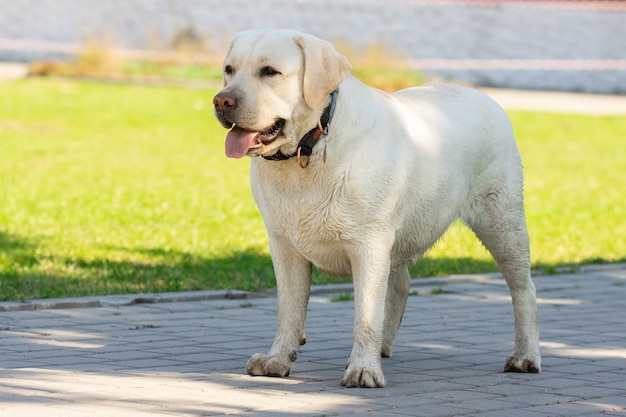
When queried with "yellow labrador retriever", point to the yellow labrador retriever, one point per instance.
{"points": [[361, 183]]}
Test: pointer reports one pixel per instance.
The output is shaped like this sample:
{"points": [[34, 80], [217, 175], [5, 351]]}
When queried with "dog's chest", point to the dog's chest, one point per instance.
{"points": [[307, 219], [313, 216]]}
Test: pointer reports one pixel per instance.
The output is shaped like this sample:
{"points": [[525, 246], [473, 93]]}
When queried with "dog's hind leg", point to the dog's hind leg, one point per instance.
{"points": [[395, 303], [500, 224]]}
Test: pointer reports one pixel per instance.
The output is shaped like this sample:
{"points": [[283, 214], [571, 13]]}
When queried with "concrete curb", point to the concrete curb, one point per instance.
{"points": [[125, 300], [327, 290]]}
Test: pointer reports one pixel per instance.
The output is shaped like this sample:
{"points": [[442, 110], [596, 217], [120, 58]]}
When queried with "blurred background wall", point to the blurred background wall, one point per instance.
{"points": [[556, 45]]}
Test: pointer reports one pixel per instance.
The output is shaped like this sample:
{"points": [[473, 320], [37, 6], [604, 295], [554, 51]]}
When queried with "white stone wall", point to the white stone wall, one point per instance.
{"points": [[417, 29]]}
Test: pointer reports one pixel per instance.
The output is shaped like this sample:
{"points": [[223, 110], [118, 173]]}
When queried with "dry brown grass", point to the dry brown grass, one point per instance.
{"points": [[187, 57], [380, 66]]}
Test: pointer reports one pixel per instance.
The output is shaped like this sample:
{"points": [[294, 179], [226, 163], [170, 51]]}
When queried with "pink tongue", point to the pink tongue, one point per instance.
{"points": [[238, 141]]}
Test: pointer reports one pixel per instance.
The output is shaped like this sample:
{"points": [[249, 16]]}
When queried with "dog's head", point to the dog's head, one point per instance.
{"points": [[276, 84]]}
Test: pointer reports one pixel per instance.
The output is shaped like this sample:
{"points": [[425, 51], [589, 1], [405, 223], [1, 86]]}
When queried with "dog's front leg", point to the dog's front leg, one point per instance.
{"points": [[370, 272], [293, 279]]}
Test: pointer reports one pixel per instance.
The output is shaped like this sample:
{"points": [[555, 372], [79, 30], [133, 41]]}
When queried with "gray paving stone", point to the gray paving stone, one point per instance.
{"points": [[587, 392], [429, 410], [618, 383], [405, 400], [558, 383], [538, 399], [137, 360], [568, 409], [512, 388], [530, 412]]}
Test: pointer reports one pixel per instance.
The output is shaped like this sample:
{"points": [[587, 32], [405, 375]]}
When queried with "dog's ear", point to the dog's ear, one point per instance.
{"points": [[324, 69]]}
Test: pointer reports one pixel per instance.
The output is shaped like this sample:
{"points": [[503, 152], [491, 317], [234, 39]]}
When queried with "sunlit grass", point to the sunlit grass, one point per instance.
{"points": [[115, 189]]}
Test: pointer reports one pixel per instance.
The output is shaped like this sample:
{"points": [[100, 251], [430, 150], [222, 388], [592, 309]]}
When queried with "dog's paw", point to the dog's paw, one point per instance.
{"points": [[363, 377], [263, 365], [523, 363]]}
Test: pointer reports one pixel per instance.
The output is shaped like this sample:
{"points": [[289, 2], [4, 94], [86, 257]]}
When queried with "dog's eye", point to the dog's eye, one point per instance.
{"points": [[228, 70], [269, 72]]}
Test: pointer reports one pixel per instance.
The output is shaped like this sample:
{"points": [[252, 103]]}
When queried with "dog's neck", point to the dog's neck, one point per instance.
{"points": [[309, 140]]}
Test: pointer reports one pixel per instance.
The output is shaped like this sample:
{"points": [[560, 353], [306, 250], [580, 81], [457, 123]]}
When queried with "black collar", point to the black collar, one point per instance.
{"points": [[308, 141]]}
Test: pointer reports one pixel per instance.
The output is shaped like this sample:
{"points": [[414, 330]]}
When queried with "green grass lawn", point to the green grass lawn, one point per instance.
{"points": [[116, 188]]}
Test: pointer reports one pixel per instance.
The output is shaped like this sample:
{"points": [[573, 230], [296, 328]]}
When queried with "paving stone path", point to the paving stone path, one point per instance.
{"points": [[187, 358]]}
